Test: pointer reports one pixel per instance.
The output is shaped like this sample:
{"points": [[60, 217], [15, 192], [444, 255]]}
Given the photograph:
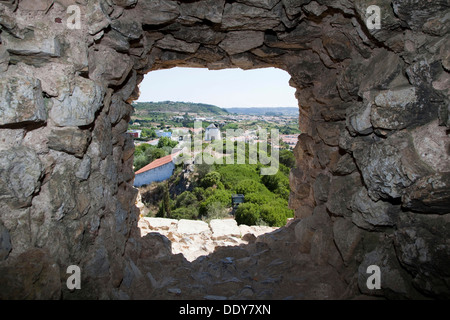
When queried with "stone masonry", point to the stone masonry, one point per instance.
{"points": [[372, 181]]}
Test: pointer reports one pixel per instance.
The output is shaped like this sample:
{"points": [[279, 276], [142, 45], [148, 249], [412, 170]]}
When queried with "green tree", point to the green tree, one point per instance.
{"points": [[287, 158], [259, 198], [272, 215], [210, 179], [247, 213], [247, 186], [199, 193], [148, 133], [164, 206], [185, 213], [202, 169], [166, 142], [219, 195], [216, 210], [277, 183], [233, 174], [186, 199], [153, 153], [139, 161]]}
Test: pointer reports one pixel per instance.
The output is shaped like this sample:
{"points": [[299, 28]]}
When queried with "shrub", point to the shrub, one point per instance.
{"points": [[210, 179], [202, 169], [199, 193], [247, 213], [221, 196], [276, 213], [277, 183], [233, 174], [166, 142], [247, 186], [139, 161], [259, 198], [216, 210], [185, 213], [283, 193], [186, 199], [154, 153], [287, 158], [273, 216]]}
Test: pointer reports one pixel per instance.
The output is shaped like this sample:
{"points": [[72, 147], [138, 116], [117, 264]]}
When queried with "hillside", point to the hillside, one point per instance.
{"points": [[143, 108], [285, 111]]}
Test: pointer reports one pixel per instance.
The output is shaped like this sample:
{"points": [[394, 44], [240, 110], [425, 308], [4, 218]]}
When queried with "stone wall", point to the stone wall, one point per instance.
{"points": [[194, 239], [372, 181]]}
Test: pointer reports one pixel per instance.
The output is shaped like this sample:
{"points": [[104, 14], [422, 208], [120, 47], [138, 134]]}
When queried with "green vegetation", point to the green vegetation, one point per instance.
{"points": [[177, 107], [266, 197]]}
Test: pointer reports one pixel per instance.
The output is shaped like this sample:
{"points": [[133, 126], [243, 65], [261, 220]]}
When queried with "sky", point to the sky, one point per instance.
{"points": [[267, 87]]}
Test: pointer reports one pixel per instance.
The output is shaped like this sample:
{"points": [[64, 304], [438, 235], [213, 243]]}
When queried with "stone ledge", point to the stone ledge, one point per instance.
{"points": [[195, 238]]}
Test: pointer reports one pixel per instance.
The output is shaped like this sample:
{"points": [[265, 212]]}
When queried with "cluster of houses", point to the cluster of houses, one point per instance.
{"points": [[136, 133], [162, 169]]}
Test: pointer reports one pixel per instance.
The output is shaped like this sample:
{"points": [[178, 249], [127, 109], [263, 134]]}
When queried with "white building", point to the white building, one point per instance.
{"points": [[159, 170], [135, 133], [212, 133]]}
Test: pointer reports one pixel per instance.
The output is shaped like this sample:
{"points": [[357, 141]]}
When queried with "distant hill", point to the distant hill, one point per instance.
{"points": [[171, 106], [286, 111]]}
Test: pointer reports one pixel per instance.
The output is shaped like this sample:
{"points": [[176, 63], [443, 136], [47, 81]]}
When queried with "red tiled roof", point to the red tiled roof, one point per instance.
{"points": [[155, 164]]}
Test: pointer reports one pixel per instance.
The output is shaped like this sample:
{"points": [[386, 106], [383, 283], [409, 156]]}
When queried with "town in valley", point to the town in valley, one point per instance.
{"points": [[164, 135]]}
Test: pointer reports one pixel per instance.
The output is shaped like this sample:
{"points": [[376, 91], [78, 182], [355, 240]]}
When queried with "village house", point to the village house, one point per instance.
{"points": [[135, 133], [153, 142], [159, 170], [212, 133], [162, 133], [290, 139]]}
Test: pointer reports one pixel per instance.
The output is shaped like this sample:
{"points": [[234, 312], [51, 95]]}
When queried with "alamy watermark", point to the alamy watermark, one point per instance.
{"points": [[373, 17], [74, 19], [74, 280], [374, 280]]}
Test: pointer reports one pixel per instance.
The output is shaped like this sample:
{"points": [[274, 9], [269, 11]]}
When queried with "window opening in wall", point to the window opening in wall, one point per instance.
{"points": [[213, 151]]}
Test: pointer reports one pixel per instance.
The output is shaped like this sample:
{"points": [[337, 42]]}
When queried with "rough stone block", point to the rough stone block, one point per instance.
{"points": [[321, 187], [393, 281], [238, 16], [79, 107], [347, 237], [161, 223], [157, 12], [369, 214], [192, 227], [70, 139], [21, 100], [170, 43], [211, 10], [34, 274], [389, 166], [432, 144], [224, 228], [33, 50], [422, 248], [34, 5], [20, 173], [342, 189], [430, 194], [5, 242], [241, 41]]}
